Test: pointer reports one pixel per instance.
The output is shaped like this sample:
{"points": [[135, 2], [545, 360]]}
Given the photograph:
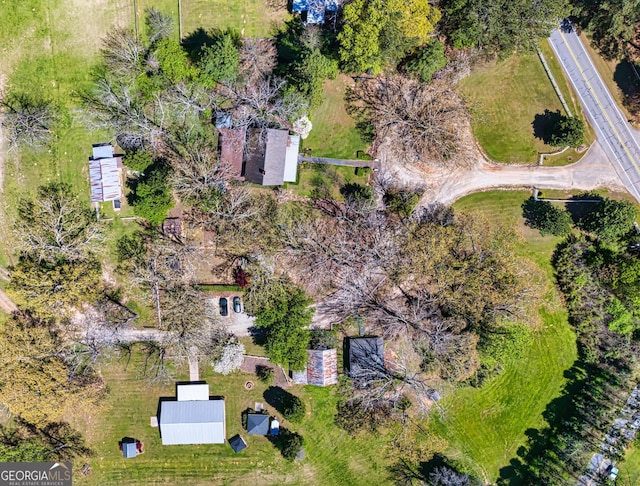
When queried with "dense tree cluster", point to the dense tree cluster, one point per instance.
{"points": [[445, 294], [501, 26]]}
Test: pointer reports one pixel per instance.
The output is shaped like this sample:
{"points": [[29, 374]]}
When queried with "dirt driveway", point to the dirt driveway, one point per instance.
{"points": [[447, 186]]}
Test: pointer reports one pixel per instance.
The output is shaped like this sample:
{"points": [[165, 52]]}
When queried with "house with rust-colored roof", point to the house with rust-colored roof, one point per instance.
{"points": [[231, 143], [321, 370], [105, 174]]}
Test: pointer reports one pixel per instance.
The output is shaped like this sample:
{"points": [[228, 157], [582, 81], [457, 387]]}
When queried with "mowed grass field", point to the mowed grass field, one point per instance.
{"points": [[49, 49], [331, 455], [252, 18], [485, 427], [505, 97], [334, 132]]}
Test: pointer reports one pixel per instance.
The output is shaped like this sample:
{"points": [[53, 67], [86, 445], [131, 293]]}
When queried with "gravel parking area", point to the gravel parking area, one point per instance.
{"points": [[236, 322]]}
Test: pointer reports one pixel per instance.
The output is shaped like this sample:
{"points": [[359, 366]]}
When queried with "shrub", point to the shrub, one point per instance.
{"points": [[545, 217], [322, 340], [295, 410], [401, 202], [241, 277], [290, 444], [265, 374]]}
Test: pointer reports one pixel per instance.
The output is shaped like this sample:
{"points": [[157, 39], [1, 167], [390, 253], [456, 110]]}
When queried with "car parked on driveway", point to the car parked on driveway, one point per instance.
{"points": [[237, 307], [224, 309]]}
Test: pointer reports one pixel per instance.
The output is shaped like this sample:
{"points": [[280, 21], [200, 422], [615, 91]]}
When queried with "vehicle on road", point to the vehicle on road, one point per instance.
{"points": [[224, 308], [237, 307]]}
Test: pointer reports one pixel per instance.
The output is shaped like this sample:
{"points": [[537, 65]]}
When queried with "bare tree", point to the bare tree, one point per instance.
{"points": [[27, 120], [159, 25], [122, 52], [264, 104], [113, 104], [257, 58], [198, 176], [157, 262], [57, 225], [421, 121]]}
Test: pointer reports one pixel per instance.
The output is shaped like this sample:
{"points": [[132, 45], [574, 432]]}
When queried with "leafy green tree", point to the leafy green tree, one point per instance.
{"points": [[138, 160], [290, 444], [37, 385], [53, 290], [614, 25], [285, 318], [30, 450], [568, 130], [295, 410], [310, 73], [359, 38], [221, 60], [429, 59], [152, 198], [173, 61], [502, 26], [375, 31], [544, 216], [401, 202], [610, 220]]}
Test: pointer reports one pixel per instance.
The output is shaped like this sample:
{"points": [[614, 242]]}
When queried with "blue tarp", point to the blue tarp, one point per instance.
{"points": [[300, 6], [315, 14]]}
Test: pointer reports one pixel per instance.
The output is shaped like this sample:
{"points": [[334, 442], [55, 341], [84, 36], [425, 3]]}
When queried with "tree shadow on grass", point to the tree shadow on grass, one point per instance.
{"points": [[543, 125], [579, 210], [519, 471], [278, 398], [625, 78], [195, 42]]}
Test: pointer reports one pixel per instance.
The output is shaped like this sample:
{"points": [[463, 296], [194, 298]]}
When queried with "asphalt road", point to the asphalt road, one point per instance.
{"points": [[611, 126]]}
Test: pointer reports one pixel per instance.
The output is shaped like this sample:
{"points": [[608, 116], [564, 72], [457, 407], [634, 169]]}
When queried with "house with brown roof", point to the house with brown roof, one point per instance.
{"points": [[231, 146], [271, 157]]}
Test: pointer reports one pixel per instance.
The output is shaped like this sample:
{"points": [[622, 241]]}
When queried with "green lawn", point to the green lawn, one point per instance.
{"points": [[252, 18], [486, 426], [505, 98], [334, 132], [312, 176], [332, 456], [49, 47], [629, 474]]}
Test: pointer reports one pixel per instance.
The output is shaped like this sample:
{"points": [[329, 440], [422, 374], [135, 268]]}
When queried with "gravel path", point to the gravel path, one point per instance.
{"points": [[447, 186], [6, 304]]}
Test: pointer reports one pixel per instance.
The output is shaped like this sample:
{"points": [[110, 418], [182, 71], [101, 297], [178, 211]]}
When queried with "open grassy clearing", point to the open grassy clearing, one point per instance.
{"points": [[49, 48], [630, 466], [334, 132], [332, 456], [313, 177], [252, 18], [505, 97], [486, 426]]}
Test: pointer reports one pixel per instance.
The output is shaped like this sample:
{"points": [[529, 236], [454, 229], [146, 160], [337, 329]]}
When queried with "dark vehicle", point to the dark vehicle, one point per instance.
{"points": [[224, 309], [236, 305]]}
